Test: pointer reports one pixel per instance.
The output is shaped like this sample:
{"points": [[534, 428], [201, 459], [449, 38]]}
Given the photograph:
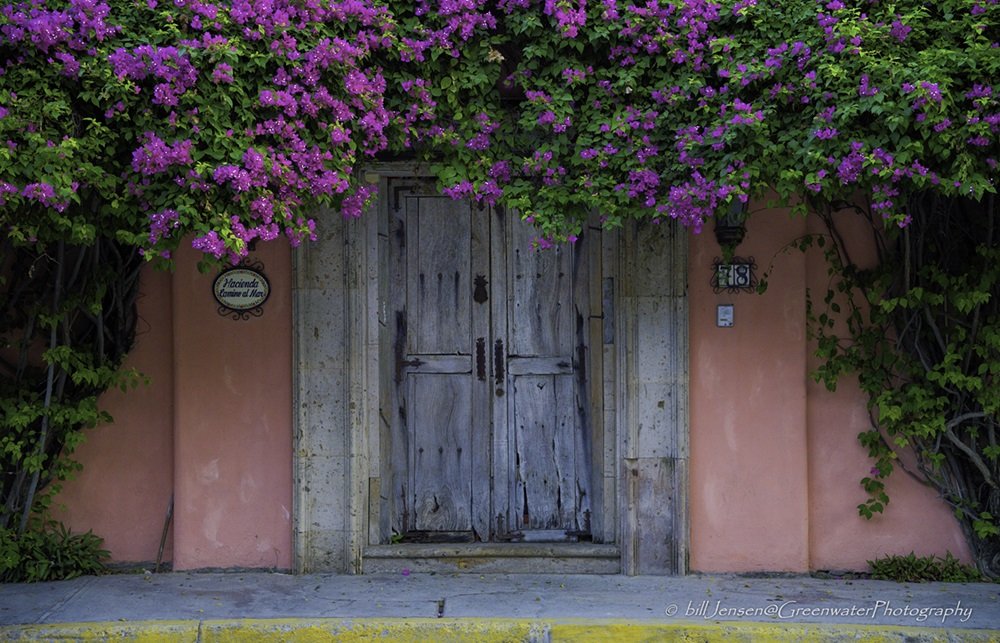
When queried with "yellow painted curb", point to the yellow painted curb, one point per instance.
{"points": [[752, 632], [485, 630], [144, 631], [416, 630]]}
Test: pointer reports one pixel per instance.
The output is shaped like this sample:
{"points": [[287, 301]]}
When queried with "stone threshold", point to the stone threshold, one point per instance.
{"points": [[505, 558]]}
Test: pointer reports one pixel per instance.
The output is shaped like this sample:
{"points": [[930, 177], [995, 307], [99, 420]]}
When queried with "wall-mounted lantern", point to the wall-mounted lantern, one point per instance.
{"points": [[730, 273], [730, 227]]}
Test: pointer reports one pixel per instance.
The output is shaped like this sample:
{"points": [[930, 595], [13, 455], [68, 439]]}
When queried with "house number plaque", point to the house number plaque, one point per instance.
{"points": [[735, 275], [241, 291]]}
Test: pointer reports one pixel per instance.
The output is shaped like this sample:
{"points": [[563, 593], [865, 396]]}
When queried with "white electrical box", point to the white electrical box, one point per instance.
{"points": [[724, 316]]}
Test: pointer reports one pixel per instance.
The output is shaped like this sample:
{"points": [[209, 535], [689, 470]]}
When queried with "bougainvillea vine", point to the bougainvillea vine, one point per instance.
{"points": [[232, 122]]}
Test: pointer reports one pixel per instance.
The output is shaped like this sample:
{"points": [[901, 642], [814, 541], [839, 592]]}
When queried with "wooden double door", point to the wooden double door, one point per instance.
{"points": [[488, 426]]}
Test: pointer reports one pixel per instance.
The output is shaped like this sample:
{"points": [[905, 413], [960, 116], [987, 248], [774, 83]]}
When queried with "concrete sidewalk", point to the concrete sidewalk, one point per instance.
{"points": [[523, 607]]}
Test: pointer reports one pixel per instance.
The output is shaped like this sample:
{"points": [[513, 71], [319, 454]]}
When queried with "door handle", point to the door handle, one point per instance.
{"points": [[481, 359], [498, 362]]}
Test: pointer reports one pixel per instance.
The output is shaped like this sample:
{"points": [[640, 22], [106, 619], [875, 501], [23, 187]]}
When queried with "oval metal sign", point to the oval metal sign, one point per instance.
{"points": [[241, 289]]}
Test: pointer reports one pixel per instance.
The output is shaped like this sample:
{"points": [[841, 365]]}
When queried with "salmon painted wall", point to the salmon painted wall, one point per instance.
{"points": [[774, 457], [233, 423], [748, 475], [915, 518], [124, 490], [775, 462], [214, 428]]}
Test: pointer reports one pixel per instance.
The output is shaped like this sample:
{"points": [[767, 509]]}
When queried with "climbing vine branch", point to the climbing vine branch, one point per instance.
{"points": [[921, 330]]}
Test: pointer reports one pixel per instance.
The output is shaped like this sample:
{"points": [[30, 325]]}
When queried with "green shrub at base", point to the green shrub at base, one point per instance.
{"points": [[918, 569], [49, 553]]}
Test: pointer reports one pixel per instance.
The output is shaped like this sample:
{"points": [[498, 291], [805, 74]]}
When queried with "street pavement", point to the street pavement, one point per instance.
{"points": [[237, 606]]}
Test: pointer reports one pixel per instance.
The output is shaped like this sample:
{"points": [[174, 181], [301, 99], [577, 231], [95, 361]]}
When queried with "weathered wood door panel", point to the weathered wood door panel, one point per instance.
{"points": [[490, 435], [545, 320], [438, 260], [440, 430], [440, 427], [545, 478]]}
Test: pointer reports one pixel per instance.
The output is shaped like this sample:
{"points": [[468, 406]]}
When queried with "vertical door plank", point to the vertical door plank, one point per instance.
{"points": [[595, 376], [587, 414], [503, 462], [481, 383], [396, 482], [571, 453], [380, 496]]}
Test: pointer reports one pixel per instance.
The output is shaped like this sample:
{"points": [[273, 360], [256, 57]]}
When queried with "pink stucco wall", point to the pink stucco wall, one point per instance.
{"points": [[213, 428], [124, 490], [775, 462], [915, 519], [774, 457], [749, 478], [233, 423]]}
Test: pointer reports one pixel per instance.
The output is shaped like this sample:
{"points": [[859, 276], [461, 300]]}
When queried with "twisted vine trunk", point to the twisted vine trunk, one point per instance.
{"points": [[50, 379], [67, 320], [953, 243]]}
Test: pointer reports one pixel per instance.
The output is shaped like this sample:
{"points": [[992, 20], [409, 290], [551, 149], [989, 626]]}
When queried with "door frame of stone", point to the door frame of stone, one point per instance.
{"points": [[641, 373]]}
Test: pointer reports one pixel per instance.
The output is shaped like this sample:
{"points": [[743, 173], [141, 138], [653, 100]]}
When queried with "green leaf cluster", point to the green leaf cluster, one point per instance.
{"points": [[923, 569], [49, 552]]}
